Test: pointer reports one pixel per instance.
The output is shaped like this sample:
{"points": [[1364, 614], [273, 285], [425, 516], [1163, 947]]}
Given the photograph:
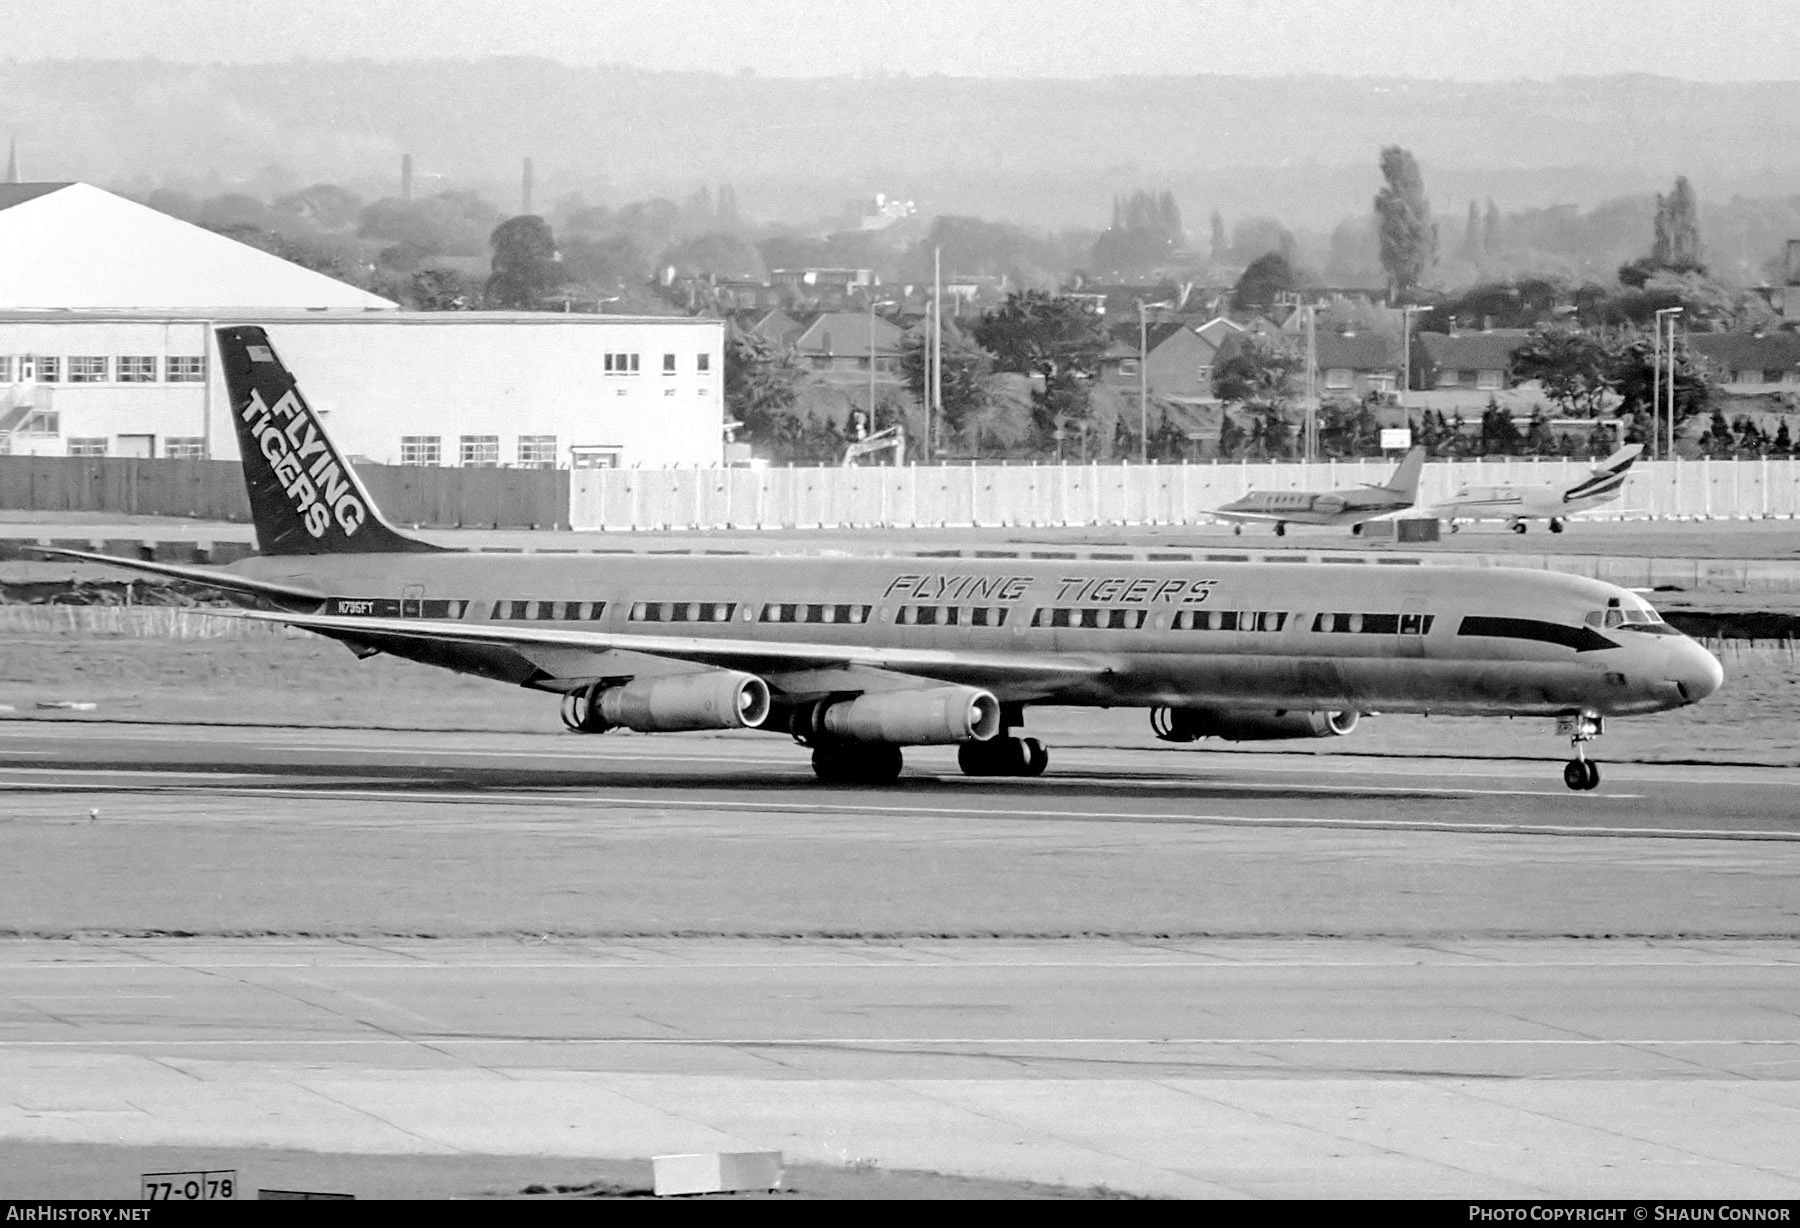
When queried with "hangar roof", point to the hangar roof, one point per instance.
{"points": [[72, 245]]}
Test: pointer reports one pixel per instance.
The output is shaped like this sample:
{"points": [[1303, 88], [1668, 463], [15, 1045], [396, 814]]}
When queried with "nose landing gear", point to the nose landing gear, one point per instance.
{"points": [[1580, 773]]}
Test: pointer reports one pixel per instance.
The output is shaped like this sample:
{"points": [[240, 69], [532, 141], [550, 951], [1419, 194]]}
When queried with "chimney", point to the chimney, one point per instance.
{"points": [[525, 188], [405, 176], [1487, 324]]}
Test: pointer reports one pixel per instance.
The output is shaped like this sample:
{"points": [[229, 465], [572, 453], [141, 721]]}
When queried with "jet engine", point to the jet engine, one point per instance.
{"points": [[935, 717], [710, 699], [1247, 724]]}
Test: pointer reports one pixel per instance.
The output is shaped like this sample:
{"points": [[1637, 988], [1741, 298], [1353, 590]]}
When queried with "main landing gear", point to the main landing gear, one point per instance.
{"points": [[1517, 526], [1556, 524], [857, 763], [1003, 757], [1580, 773]]}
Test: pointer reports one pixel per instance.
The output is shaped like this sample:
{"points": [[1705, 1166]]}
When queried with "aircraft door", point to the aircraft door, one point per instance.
{"points": [[1415, 621], [412, 601]]}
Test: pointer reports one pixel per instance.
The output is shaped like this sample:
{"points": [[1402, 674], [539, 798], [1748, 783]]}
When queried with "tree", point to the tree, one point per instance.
{"points": [[524, 263], [1470, 248], [1573, 367], [1499, 437], [1540, 440], [1145, 229], [1259, 377], [1231, 437], [1675, 238], [1348, 428], [1059, 340], [1266, 277], [967, 371], [1220, 246], [1403, 216], [1634, 376], [762, 382], [440, 290]]}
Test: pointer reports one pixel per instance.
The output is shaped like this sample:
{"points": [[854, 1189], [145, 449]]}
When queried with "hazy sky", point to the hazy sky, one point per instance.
{"points": [[1726, 40]]}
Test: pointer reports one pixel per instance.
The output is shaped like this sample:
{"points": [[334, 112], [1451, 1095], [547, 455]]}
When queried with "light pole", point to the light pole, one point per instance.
{"points": [[1406, 315], [1656, 389], [873, 304]]}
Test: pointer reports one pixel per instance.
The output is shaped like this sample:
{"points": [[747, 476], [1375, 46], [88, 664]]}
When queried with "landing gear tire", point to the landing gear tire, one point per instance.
{"points": [[1280, 529], [1581, 774], [1237, 530], [1556, 524], [858, 764], [1518, 526], [1003, 757]]}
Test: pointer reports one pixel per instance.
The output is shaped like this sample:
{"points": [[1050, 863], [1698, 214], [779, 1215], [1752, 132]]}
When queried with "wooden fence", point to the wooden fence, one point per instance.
{"points": [[214, 490]]}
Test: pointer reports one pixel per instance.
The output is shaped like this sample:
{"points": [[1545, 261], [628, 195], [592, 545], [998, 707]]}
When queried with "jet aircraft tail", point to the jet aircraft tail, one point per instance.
{"points": [[1405, 482], [304, 496], [1619, 461]]}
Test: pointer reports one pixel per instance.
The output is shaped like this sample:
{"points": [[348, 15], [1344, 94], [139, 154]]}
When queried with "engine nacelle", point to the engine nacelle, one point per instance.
{"points": [[1248, 724], [935, 717], [711, 699]]}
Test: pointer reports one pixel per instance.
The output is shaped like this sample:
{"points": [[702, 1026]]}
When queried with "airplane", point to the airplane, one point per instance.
{"points": [[1550, 501], [1351, 506], [857, 659]]}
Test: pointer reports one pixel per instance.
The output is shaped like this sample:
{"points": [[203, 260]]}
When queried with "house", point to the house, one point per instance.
{"points": [[1355, 364], [1750, 362], [1176, 362], [850, 341], [1478, 361]]}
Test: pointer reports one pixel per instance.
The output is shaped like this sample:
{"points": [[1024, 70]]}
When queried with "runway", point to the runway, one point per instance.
{"points": [[1169, 971], [1287, 1069]]}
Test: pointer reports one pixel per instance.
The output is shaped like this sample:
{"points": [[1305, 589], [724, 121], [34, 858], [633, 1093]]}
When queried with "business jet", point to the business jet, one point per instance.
{"points": [[857, 659], [1351, 506], [1552, 502]]}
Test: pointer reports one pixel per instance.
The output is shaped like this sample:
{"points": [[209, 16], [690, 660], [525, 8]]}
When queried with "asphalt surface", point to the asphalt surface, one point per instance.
{"points": [[1167, 971]]}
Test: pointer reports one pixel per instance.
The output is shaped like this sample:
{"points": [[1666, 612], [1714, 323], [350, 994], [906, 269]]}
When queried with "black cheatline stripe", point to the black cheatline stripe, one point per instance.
{"points": [[1581, 639], [1595, 486]]}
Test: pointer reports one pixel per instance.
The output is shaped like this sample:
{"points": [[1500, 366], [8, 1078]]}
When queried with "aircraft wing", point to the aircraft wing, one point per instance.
{"points": [[211, 577], [753, 656]]}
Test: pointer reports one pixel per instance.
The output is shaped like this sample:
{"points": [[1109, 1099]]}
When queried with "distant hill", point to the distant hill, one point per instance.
{"points": [[1042, 152]]}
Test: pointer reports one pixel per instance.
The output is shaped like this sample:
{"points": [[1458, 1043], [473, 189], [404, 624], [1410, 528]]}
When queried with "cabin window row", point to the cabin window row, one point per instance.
{"points": [[801, 612], [951, 616], [1097, 618], [552, 611], [683, 611], [1373, 624], [1230, 620]]}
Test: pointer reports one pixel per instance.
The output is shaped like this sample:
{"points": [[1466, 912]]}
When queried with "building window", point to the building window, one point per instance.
{"points": [[1205, 375], [87, 369], [87, 447], [1487, 380], [703, 363], [420, 450], [537, 451], [668, 364], [480, 451], [1771, 375], [621, 364], [1337, 377], [136, 369], [184, 447], [1449, 377], [49, 369], [185, 369], [1128, 366], [6, 368], [41, 422]]}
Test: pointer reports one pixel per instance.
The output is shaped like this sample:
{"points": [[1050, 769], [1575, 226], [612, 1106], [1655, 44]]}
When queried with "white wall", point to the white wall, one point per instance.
{"points": [[378, 377], [1047, 495]]}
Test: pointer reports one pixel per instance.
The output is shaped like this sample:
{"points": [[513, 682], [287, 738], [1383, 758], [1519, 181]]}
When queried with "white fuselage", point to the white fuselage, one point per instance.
{"points": [[1359, 637]]}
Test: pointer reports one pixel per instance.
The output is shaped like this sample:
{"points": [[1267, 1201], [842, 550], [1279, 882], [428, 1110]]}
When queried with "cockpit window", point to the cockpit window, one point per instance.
{"points": [[1634, 618]]}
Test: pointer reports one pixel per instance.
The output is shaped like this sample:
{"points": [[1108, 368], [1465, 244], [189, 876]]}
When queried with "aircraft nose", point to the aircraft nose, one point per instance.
{"points": [[1695, 672]]}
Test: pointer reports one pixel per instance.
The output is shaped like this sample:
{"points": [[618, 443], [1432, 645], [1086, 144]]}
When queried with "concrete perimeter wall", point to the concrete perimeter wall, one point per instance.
{"points": [[1073, 495], [214, 490]]}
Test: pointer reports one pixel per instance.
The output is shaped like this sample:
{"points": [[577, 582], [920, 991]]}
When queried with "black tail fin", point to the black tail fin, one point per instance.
{"points": [[304, 497]]}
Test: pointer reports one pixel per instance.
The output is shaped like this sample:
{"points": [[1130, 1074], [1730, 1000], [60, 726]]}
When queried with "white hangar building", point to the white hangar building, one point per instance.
{"points": [[112, 354]]}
